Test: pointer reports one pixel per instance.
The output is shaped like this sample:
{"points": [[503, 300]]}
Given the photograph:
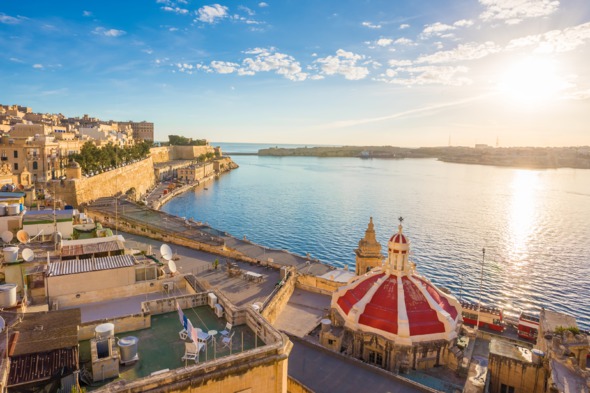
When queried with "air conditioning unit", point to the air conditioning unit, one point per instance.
{"points": [[168, 286]]}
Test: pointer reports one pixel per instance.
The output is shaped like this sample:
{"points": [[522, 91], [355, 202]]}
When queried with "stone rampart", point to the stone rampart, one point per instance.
{"points": [[318, 284], [139, 175], [280, 298]]}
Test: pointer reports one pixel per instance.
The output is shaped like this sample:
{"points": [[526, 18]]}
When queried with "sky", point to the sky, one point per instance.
{"points": [[338, 72]]}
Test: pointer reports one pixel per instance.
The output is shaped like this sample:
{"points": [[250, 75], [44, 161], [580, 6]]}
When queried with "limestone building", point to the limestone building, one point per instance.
{"points": [[393, 317]]}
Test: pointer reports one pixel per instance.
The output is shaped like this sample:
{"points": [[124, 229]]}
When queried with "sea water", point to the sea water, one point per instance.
{"points": [[533, 224]]}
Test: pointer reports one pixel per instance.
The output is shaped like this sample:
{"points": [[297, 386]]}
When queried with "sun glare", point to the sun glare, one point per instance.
{"points": [[532, 81]]}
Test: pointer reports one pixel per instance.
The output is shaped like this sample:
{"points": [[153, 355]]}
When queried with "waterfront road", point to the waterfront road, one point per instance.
{"points": [[324, 371]]}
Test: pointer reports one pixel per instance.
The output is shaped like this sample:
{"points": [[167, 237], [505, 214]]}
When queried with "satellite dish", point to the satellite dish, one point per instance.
{"points": [[28, 255], [166, 252], [2, 324], [172, 267], [7, 236], [23, 236]]}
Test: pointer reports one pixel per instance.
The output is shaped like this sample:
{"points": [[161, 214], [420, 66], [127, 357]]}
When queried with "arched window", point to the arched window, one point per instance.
{"points": [[35, 165]]}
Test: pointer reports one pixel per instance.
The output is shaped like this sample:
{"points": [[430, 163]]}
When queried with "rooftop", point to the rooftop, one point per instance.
{"points": [[76, 266], [509, 350], [160, 347]]}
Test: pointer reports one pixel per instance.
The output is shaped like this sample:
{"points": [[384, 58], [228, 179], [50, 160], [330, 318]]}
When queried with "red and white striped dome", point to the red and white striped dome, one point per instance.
{"points": [[397, 303]]}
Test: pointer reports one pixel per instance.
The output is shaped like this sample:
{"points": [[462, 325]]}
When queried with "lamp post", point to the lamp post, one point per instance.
{"points": [[483, 251]]}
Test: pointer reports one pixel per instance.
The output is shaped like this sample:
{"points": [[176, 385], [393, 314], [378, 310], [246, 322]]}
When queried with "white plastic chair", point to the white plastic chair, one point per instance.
{"points": [[191, 352], [225, 332], [183, 334], [226, 341]]}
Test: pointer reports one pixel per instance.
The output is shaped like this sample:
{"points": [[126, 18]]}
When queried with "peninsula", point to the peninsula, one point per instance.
{"points": [[522, 157]]}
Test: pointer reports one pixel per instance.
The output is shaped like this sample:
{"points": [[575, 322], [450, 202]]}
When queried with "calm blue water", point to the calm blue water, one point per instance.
{"points": [[533, 224]]}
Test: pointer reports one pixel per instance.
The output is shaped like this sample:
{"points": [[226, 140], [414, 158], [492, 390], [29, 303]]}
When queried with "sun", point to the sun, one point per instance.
{"points": [[532, 81]]}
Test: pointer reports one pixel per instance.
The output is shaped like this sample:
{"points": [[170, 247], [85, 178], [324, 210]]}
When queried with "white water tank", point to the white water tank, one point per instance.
{"points": [[104, 330], [326, 325], [10, 254], [8, 295], [13, 209], [3, 207], [128, 349]]}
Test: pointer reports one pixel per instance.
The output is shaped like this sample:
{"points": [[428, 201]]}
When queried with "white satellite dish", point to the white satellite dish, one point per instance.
{"points": [[2, 324], [23, 236], [7, 236], [166, 252], [28, 255], [172, 266]]}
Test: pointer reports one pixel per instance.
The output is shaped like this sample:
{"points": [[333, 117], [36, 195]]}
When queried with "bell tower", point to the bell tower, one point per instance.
{"points": [[368, 255]]}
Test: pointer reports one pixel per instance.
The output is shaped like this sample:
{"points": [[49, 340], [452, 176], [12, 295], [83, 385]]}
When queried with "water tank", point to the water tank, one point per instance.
{"points": [[10, 254], [3, 207], [128, 349], [13, 209], [326, 325], [104, 330], [8, 295]]}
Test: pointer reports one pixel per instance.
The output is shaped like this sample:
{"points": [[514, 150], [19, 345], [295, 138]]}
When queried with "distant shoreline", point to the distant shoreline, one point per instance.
{"points": [[517, 157]]}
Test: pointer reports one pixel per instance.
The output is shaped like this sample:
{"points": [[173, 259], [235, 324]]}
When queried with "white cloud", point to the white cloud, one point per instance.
{"points": [[515, 11], [262, 4], [14, 59], [463, 23], [426, 75], [267, 59], [344, 63], [148, 51], [399, 63], [211, 13], [109, 32], [470, 51], [404, 41], [436, 29], [371, 25], [173, 29], [554, 41], [224, 67], [176, 10], [86, 13], [10, 20], [404, 26], [38, 66], [384, 41]]}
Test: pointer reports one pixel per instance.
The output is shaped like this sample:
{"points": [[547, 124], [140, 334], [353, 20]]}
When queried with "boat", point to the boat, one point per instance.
{"points": [[528, 326], [489, 317]]}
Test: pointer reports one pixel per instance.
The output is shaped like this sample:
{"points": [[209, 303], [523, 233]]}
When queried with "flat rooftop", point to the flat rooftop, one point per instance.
{"points": [[509, 350], [160, 347]]}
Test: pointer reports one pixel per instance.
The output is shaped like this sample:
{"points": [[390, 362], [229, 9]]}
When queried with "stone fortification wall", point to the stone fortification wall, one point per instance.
{"points": [[280, 298], [160, 154], [170, 153], [139, 175], [318, 284]]}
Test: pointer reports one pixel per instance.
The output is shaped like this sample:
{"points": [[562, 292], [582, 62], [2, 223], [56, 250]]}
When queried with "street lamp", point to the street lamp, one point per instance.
{"points": [[483, 251]]}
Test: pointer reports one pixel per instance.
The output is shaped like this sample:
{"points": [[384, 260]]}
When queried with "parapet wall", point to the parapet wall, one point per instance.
{"points": [[139, 175], [170, 153]]}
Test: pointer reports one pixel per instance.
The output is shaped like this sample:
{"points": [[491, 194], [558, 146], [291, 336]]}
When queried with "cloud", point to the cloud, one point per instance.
{"points": [[463, 23], [267, 59], [262, 4], [399, 63], [344, 63], [176, 10], [404, 26], [211, 13], [384, 42], [109, 32], [10, 20], [555, 41], [371, 25], [426, 75], [38, 66], [224, 67], [470, 51], [404, 41], [515, 11], [14, 59], [436, 29], [86, 13]]}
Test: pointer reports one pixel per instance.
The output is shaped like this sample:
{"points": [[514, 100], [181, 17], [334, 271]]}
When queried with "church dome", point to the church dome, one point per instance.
{"points": [[397, 303]]}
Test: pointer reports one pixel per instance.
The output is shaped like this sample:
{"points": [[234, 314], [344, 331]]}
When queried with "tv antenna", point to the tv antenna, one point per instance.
{"points": [[166, 252], [172, 267], [23, 237]]}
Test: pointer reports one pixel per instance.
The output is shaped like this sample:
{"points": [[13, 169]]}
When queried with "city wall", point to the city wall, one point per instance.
{"points": [[280, 298], [169, 153], [317, 284], [139, 175]]}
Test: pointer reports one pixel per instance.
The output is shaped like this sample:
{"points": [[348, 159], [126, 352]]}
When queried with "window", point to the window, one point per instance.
{"points": [[375, 358], [15, 166], [16, 154], [35, 165], [506, 389], [331, 342]]}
